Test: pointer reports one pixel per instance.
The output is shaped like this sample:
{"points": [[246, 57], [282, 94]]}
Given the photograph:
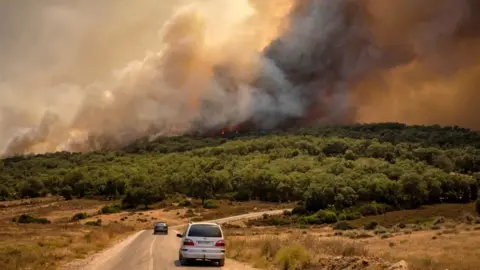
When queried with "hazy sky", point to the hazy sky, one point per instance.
{"points": [[123, 69]]}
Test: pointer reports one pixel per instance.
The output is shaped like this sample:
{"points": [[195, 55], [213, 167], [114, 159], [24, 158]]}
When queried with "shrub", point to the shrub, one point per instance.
{"points": [[189, 213], [293, 257], [439, 220], [350, 155], [111, 209], [185, 203], [343, 225], [396, 229], [209, 205], [270, 221], [79, 216], [373, 209], [380, 230], [372, 225], [163, 204], [468, 218], [27, 219], [98, 222], [349, 216], [299, 210], [477, 203], [358, 235], [418, 227], [321, 217], [66, 192], [269, 247], [326, 216]]}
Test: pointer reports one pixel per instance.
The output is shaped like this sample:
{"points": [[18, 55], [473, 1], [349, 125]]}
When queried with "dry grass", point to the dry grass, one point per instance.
{"points": [[449, 248], [433, 237], [272, 251], [46, 246], [54, 208], [29, 246]]}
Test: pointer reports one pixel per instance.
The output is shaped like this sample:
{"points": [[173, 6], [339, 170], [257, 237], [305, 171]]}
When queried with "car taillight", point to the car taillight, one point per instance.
{"points": [[220, 243], [188, 242]]}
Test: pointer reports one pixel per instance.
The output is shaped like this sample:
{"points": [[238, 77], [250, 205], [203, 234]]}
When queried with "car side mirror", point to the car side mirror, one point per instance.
{"points": [[179, 235]]}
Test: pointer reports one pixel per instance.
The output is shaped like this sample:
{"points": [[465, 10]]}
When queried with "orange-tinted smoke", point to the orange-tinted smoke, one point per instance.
{"points": [[436, 77], [294, 62]]}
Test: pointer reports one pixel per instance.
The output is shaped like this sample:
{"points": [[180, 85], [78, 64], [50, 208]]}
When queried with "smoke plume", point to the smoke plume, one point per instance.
{"points": [[88, 75]]}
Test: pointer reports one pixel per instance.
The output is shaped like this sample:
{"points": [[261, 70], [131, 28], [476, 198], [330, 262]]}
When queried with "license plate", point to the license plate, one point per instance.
{"points": [[205, 242]]}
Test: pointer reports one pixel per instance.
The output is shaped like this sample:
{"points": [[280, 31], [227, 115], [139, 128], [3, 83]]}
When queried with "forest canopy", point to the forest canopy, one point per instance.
{"points": [[390, 164]]}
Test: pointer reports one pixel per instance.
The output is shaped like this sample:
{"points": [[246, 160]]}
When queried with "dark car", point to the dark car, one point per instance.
{"points": [[160, 227]]}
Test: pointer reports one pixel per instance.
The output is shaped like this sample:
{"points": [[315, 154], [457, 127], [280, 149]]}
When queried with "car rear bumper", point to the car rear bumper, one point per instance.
{"points": [[160, 231], [200, 255]]}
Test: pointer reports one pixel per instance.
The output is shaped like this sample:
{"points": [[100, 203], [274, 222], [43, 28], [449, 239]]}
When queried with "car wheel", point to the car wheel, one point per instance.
{"points": [[182, 260], [221, 263]]}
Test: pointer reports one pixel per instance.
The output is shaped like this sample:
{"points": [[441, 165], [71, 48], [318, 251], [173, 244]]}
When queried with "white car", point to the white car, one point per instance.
{"points": [[202, 241]]}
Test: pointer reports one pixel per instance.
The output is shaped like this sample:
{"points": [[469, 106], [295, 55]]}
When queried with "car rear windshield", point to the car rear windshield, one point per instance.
{"points": [[160, 224], [204, 231]]}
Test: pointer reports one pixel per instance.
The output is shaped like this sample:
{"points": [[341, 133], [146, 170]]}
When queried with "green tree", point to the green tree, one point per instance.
{"points": [[414, 189], [345, 197], [203, 188], [66, 192], [477, 203], [31, 188], [114, 188], [6, 193], [336, 147], [142, 196], [319, 196]]}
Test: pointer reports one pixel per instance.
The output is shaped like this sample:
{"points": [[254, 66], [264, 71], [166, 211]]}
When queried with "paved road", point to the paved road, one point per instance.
{"points": [[145, 251]]}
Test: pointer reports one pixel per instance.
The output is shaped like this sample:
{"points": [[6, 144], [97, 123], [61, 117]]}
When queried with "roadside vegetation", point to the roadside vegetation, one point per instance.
{"points": [[37, 246], [413, 239], [47, 232]]}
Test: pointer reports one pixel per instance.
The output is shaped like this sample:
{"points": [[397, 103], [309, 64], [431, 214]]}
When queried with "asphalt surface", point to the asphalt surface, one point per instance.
{"points": [[146, 251]]}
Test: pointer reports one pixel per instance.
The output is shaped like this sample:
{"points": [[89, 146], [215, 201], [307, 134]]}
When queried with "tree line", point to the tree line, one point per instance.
{"points": [[341, 167]]}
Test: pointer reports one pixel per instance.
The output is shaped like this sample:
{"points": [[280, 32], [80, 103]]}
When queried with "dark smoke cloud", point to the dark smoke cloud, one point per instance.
{"points": [[387, 60], [214, 65]]}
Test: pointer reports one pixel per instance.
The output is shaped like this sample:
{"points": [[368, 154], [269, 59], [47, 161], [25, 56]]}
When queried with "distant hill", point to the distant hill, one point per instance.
{"points": [[436, 136]]}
